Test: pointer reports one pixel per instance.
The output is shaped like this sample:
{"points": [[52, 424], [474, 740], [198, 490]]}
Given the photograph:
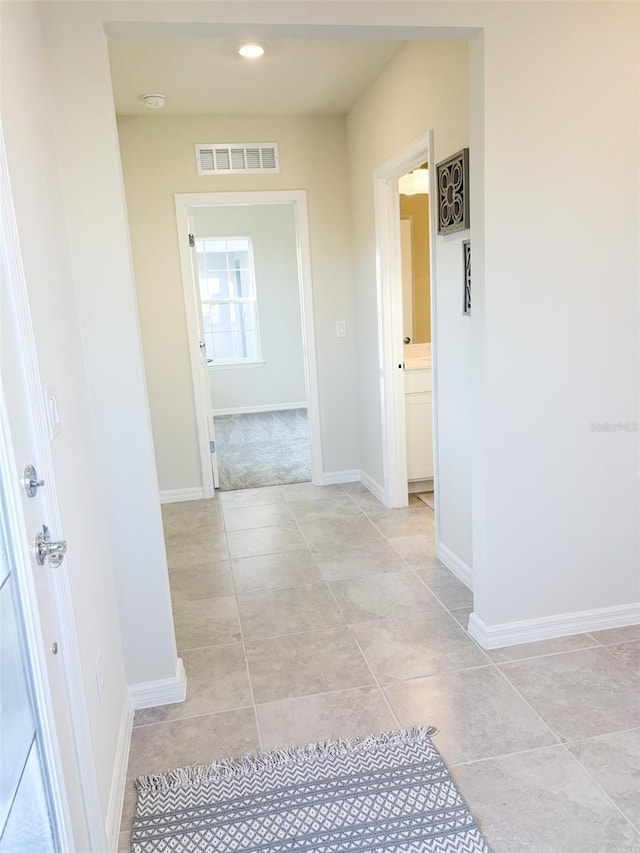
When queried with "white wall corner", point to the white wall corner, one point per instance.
{"points": [[374, 487], [119, 775], [331, 477], [172, 496], [165, 691], [550, 627], [455, 565]]}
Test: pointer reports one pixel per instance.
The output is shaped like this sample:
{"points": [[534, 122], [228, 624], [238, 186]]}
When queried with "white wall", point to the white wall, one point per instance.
{"points": [[101, 271], [280, 380], [555, 283], [158, 160], [424, 88], [44, 240]]}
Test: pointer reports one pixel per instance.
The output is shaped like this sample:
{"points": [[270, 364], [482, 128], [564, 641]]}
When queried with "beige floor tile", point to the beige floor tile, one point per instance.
{"points": [[251, 497], [317, 509], [217, 680], [275, 571], [628, 653], [543, 647], [385, 596], [190, 552], [393, 523], [129, 805], [198, 740], [264, 540], [304, 491], [614, 762], [337, 533], [365, 500], [542, 802], [579, 694], [299, 664], [198, 517], [288, 611], [201, 581], [446, 587], [478, 714], [331, 716], [461, 615], [369, 558], [617, 635], [355, 488], [190, 511], [409, 648], [418, 551], [207, 622], [267, 515]]}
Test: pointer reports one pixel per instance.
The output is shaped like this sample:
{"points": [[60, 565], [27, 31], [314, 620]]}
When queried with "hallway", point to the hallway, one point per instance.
{"points": [[306, 613]]}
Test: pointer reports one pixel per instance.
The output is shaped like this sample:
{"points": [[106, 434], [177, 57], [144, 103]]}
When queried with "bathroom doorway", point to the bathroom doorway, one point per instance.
{"points": [[413, 191]]}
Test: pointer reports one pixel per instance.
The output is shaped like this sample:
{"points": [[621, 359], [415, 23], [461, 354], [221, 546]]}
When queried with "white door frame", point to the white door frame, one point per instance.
{"points": [[185, 201], [73, 818], [390, 329]]}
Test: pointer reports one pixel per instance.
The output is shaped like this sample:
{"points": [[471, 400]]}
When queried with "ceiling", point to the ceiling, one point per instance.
{"points": [[206, 75]]}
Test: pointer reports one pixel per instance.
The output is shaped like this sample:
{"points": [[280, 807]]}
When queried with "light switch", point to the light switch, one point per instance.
{"points": [[341, 328]]}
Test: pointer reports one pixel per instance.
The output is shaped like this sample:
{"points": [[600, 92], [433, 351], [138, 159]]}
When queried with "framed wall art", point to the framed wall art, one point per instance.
{"points": [[452, 178], [466, 281]]}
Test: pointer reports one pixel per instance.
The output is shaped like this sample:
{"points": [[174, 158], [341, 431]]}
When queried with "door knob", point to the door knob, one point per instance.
{"points": [[45, 549], [31, 481]]}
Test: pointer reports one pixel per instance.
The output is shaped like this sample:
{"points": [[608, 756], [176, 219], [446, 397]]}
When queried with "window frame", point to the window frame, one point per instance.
{"points": [[225, 364]]}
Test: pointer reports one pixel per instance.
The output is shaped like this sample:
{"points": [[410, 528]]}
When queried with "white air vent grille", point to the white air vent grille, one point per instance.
{"points": [[231, 158]]}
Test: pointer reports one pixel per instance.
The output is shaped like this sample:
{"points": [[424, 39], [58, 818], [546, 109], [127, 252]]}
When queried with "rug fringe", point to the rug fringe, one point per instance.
{"points": [[230, 767]]}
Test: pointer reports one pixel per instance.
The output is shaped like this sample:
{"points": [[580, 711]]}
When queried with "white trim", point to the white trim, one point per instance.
{"points": [[63, 602], [119, 775], [390, 326], [184, 201], [375, 488], [550, 627], [165, 691], [455, 565], [249, 410], [173, 496], [329, 478], [234, 365]]}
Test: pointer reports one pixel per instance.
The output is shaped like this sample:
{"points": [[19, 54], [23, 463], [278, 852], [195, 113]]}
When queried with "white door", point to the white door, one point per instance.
{"points": [[204, 365], [42, 800]]}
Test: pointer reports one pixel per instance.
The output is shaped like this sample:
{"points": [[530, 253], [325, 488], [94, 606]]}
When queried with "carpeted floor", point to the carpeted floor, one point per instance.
{"points": [[263, 449], [390, 793]]}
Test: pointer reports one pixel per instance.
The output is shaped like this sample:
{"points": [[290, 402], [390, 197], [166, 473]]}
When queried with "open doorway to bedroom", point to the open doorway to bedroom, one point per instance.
{"points": [[246, 304]]}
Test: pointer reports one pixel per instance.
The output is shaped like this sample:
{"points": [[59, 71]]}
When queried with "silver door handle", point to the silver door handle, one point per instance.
{"points": [[45, 549]]}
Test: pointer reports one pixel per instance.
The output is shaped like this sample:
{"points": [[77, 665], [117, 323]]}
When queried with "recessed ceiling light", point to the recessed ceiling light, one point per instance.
{"points": [[251, 50]]}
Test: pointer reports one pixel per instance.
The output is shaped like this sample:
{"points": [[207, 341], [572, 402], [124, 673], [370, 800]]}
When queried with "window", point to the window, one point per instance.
{"points": [[228, 298]]}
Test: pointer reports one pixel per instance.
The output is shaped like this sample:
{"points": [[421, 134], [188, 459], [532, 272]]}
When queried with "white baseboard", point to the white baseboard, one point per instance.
{"points": [[172, 496], [250, 410], [549, 627], [119, 775], [165, 691], [375, 488], [415, 486], [331, 477], [455, 565]]}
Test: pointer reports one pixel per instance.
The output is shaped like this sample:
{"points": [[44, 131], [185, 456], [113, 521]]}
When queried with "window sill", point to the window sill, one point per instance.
{"points": [[234, 365]]}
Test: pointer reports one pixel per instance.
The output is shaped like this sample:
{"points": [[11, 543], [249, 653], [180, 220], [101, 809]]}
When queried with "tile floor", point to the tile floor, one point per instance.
{"points": [[304, 613]]}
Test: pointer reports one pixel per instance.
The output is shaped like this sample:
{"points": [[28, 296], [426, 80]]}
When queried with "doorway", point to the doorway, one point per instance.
{"points": [[406, 404], [248, 300]]}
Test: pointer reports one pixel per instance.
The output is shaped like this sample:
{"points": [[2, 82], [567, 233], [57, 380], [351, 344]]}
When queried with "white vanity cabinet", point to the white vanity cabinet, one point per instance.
{"points": [[419, 422]]}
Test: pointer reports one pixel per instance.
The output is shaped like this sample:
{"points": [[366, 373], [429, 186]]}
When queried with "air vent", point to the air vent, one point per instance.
{"points": [[234, 158]]}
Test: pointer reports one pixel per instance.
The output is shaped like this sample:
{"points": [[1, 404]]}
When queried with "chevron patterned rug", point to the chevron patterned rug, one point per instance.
{"points": [[390, 794]]}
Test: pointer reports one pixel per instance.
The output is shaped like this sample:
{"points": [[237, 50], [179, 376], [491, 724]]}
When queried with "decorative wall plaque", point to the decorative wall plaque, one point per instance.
{"points": [[453, 193], [466, 255]]}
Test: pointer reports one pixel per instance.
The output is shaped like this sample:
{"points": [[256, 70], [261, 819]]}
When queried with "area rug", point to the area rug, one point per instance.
{"points": [[263, 449], [391, 792]]}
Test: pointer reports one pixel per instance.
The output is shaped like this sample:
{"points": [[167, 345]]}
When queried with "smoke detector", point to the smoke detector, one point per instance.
{"points": [[154, 101]]}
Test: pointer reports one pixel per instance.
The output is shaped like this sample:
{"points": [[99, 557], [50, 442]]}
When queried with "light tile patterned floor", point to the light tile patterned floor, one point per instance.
{"points": [[304, 613]]}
